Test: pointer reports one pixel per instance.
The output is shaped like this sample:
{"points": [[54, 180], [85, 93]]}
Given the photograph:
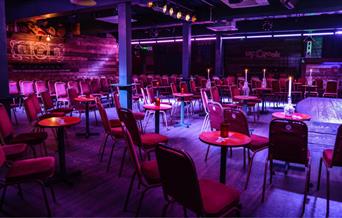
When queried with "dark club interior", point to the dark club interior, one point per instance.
{"points": [[152, 108]]}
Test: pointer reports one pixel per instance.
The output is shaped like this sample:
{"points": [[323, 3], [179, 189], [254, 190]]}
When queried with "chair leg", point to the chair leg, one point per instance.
{"points": [[207, 153], [306, 189], [140, 201], [129, 191], [20, 191], [3, 196], [264, 184], [102, 148], [328, 191], [53, 194], [271, 171], [319, 174], [122, 161], [111, 156], [45, 199], [250, 164], [244, 158]]}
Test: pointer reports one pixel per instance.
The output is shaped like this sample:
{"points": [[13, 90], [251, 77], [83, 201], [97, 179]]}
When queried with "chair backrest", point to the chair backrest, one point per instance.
{"points": [[85, 88], [36, 103], [104, 84], [61, 91], [74, 85], [47, 100], [215, 94], [234, 91], [331, 86], [6, 128], [183, 85], [72, 95], [275, 86], [95, 86], [30, 109], [13, 88], [179, 178], [288, 141], [193, 86], [319, 83], [237, 120], [337, 157], [205, 99], [104, 116], [215, 115], [150, 95], [40, 86], [51, 86], [144, 97], [26, 87], [126, 116], [173, 88]]}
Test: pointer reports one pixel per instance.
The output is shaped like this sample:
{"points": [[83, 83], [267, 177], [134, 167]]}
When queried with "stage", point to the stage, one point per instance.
{"points": [[326, 116]]}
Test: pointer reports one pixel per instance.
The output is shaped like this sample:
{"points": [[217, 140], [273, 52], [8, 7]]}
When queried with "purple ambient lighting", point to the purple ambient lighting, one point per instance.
{"points": [[234, 37], [338, 32], [135, 43], [147, 42], [166, 41], [259, 36], [287, 35], [205, 39], [318, 34]]}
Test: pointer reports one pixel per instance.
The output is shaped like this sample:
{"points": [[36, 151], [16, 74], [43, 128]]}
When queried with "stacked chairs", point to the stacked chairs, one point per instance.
{"points": [[331, 89], [180, 184], [40, 86], [7, 135], [61, 94], [85, 87], [238, 123], [331, 158], [26, 87], [49, 106], [51, 87], [288, 142]]}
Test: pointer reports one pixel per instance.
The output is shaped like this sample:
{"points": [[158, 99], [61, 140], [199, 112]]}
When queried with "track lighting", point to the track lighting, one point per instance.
{"points": [[179, 15], [165, 9], [187, 17], [171, 11]]}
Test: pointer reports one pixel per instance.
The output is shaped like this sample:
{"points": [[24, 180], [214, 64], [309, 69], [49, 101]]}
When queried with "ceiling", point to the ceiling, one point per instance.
{"points": [[148, 22]]}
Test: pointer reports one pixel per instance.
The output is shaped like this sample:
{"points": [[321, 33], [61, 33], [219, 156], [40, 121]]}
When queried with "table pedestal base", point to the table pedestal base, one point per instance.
{"points": [[84, 134]]}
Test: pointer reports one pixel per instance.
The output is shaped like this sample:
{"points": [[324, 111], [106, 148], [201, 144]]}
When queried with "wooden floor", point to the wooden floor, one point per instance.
{"points": [[101, 194]]}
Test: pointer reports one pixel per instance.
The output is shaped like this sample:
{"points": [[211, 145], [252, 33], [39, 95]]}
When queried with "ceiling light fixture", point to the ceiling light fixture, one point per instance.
{"points": [[194, 19], [187, 17], [150, 4], [86, 3], [171, 11], [179, 15], [165, 9]]}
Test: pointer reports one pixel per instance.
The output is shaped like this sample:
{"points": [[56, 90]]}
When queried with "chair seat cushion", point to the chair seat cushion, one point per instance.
{"points": [[258, 142], [328, 156], [14, 151], [31, 169], [117, 132], [115, 123], [218, 198], [31, 138], [150, 140], [150, 171], [139, 115]]}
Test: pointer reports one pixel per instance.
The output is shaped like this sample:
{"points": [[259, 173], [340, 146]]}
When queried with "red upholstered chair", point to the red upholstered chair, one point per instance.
{"points": [[14, 151], [105, 87], [7, 133], [146, 142], [26, 87], [49, 107], [205, 100], [238, 123], [331, 89], [40, 86], [85, 88], [51, 87], [16, 98], [320, 86], [180, 184], [74, 85], [145, 170], [331, 158], [215, 96], [37, 170], [61, 94], [288, 142], [114, 132]]}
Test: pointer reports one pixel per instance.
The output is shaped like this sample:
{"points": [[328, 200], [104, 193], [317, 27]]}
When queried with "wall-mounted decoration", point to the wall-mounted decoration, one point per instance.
{"points": [[262, 54]]}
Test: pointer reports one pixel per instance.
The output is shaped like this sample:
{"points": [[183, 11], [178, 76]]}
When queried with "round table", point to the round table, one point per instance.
{"points": [[86, 101], [60, 123], [245, 99], [295, 116], [157, 109], [235, 139], [263, 98], [182, 96]]}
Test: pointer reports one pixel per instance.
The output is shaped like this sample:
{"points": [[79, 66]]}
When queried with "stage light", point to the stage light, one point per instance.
{"points": [[194, 19], [179, 15], [165, 9], [150, 4], [171, 11], [48, 38], [187, 17]]}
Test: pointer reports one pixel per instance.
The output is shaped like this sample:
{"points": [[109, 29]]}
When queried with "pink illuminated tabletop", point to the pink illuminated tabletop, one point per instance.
{"points": [[295, 116], [157, 108], [54, 122], [85, 99]]}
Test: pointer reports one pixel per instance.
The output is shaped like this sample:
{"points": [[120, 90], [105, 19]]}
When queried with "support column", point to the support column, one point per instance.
{"points": [[125, 54], [219, 55], [186, 58], [4, 92]]}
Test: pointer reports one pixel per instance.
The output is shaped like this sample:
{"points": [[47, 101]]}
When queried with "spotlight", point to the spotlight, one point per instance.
{"points": [[194, 19], [165, 9], [179, 15], [150, 4], [48, 38], [187, 17], [171, 11]]}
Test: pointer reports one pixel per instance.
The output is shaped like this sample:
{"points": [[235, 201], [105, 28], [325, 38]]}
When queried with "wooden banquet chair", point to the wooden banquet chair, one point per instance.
{"points": [[180, 184], [331, 158], [288, 142]]}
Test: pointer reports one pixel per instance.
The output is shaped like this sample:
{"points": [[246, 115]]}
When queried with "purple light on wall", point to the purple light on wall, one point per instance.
{"points": [[166, 41], [287, 35], [318, 34], [148, 42], [135, 43], [234, 37], [205, 39], [259, 36], [338, 32]]}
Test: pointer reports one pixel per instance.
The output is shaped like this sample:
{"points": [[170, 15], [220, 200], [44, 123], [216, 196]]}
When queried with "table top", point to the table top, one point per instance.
{"points": [[59, 121], [263, 89], [157, 108], [245, 97], [178, 94], [295, 116], [235, 139], [85, 99]]}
